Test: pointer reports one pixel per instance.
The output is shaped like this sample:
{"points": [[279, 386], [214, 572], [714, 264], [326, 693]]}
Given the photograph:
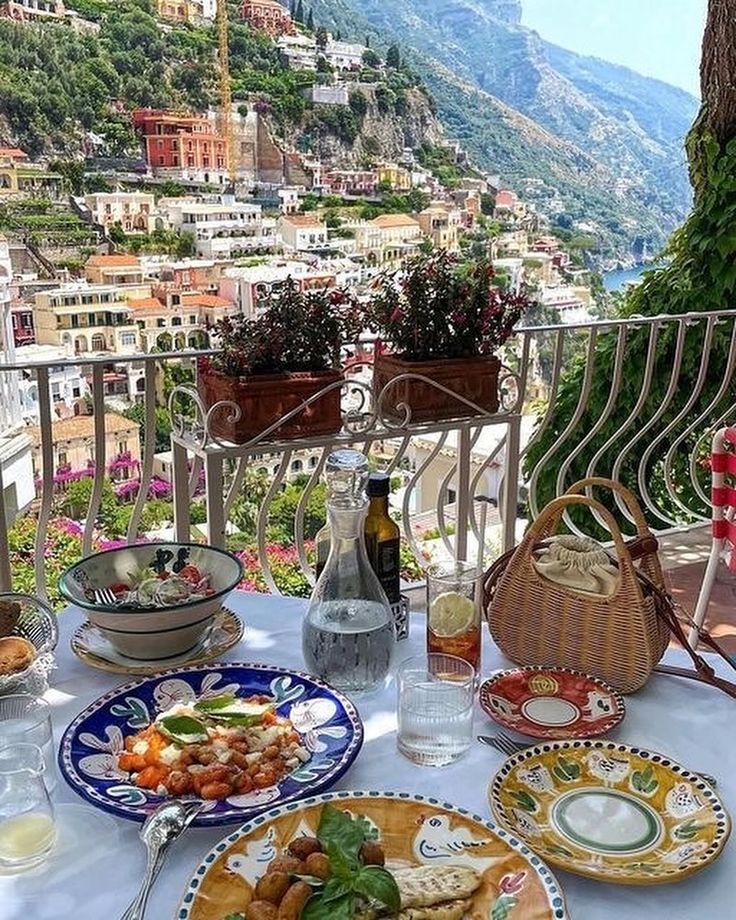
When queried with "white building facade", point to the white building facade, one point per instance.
{"points": [[17, 489]]}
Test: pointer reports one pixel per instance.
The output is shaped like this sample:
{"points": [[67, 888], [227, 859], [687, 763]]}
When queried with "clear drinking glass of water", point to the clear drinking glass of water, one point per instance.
{"points": [[26, 719], [435, 708]]}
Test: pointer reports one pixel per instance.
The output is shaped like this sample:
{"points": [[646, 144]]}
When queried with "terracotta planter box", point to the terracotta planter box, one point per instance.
{"points": [[475, 379], [265, 398]]}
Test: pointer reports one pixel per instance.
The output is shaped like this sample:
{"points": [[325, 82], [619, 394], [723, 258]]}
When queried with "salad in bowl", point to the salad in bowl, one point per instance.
{"points": [[152, 600]]}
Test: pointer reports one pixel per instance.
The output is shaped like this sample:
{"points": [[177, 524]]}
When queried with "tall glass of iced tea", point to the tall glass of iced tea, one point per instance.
{"points": [[453, 611]]}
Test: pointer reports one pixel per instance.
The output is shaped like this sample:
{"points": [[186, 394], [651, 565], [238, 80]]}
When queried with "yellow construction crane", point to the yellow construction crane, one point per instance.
{"points": [[226, 100]]}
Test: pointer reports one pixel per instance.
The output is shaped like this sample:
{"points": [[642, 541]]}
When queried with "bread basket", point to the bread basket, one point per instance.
{"points": [[37, 624]]}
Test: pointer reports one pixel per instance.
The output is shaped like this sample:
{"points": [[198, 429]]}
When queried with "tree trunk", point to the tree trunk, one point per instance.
{"points": [[717, 117], [718, 70]]}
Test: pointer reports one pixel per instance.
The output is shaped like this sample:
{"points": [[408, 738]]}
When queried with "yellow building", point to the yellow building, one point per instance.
{"points": [[90, 318], [73, 442], [113, 269], [388, 238], [26, 180], [441, 224], [396, 176]]}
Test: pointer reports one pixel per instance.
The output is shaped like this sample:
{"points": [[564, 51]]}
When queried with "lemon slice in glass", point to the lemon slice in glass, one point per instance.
{"points": [[451, 614]]}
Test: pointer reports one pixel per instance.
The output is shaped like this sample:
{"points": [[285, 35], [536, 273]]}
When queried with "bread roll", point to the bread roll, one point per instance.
{"points": [[16, 654]]}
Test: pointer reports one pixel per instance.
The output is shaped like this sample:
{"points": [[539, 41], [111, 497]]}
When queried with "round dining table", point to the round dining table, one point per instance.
{"points": [[99, 860]]}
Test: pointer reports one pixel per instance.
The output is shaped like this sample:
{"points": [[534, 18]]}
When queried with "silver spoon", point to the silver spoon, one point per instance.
{"points": [[158, 832]]}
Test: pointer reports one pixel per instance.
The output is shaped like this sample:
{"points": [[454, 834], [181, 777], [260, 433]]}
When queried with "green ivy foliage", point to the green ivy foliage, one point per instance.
{"points": [[700, 277]]}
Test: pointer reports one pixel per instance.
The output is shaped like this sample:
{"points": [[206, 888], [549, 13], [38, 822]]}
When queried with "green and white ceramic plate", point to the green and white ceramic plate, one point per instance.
{"points": [[611, 812]]}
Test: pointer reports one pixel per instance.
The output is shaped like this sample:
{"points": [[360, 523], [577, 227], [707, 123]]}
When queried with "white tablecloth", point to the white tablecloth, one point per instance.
{"points": [[97, 874]]}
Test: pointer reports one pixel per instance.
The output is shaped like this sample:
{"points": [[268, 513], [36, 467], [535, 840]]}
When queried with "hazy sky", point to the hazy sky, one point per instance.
{"points": [[658, 38]]}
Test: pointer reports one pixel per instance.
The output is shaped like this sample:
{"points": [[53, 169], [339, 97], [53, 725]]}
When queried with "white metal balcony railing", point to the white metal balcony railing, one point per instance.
{"points": [[657, 444]]}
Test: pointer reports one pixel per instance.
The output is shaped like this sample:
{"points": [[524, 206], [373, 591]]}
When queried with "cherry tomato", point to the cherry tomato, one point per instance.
{"points": [[119, 587], [191, 573]]}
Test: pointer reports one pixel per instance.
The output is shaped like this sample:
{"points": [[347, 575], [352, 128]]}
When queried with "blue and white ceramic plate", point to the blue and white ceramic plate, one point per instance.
{"points": [[329, 725]]}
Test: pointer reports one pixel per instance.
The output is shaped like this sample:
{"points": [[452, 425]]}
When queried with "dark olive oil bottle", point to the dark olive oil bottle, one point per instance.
{"points": [[382, 536]]}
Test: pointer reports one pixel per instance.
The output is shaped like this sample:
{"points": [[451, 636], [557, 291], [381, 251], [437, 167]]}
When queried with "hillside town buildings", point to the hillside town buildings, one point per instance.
{"points": [[131, 211], [74, 447], [302, 232], [182, 146], [267, 16]]}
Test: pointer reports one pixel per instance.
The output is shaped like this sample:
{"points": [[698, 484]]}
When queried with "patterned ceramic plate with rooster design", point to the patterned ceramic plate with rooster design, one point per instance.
{"points": [[552, 702], [412, 830], [611, 812], [328, 724]]}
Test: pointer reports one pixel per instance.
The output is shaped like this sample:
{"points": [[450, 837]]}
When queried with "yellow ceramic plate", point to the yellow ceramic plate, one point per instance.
{"points": [[610, 811], [413, 830], [91, 647]]}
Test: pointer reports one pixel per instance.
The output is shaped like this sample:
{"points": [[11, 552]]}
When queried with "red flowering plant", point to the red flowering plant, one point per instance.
{"points": [[298, 331], [439, 307]]}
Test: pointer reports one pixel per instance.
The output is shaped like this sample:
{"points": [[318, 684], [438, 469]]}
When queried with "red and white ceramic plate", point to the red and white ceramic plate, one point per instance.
{"points": [[552, 702]]}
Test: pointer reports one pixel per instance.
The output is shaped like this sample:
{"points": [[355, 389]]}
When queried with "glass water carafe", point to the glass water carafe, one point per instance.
{"points": [[348, 635], [27, 829]]}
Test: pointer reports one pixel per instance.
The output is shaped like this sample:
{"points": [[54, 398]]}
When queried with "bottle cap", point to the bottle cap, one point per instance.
{"points": [[379, 485], [346, 473]]}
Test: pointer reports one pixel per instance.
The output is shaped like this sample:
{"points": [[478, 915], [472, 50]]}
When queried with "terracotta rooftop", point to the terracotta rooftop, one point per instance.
{"points": [[14, 153], [81, 426], [386, 221], [111, 261], [145, 303], [505, 198], [206, 300], [303, 220]]}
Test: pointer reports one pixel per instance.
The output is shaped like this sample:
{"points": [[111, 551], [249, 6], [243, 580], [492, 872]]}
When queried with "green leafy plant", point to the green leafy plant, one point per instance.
{"points": [[351, 882], [438, 307], [299, 331]]}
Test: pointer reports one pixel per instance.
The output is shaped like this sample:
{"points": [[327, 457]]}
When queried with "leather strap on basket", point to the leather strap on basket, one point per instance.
{"points": [[666, 607]]}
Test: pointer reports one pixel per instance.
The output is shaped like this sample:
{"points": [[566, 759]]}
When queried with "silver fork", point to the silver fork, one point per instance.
{"points": [[105, 597], [508, 746]]}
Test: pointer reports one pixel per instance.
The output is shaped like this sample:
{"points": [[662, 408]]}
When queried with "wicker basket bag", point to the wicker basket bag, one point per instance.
{"points": [[535, 621]]}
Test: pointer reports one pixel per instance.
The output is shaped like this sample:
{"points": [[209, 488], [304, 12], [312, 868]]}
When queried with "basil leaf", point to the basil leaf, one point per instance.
{"points": [[339, 830], [183, 729], [215, 702], [342, 908], [226, 719], [377, 883], [335, 889], [343, 867]]}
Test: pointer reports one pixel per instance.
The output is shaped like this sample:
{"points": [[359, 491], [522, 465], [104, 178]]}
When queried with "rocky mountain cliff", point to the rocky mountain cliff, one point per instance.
{"points": [[607, 139]]}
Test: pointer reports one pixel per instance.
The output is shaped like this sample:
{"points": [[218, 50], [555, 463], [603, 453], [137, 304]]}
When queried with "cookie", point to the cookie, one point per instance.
{"points": [[9, 615], [16, 654]]}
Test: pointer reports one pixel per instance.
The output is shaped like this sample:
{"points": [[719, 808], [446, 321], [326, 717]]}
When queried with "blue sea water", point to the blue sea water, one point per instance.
{"points": [[618, 280]]}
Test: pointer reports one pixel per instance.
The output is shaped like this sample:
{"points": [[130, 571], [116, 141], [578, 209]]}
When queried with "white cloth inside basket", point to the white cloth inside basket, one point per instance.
{"points": [[578, 563]]}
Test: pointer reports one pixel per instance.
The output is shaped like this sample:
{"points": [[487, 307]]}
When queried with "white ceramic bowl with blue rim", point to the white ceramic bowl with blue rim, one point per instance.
{"points": [[434, 843], [151, 634], [327, 722]]}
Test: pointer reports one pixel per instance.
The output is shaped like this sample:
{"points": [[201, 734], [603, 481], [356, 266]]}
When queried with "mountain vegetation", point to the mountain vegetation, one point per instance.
{"points": [[603, 140], [700, 276]]}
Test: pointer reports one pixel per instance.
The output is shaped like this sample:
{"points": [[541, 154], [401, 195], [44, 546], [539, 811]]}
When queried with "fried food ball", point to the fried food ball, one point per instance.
{"points": [[294, 900], [261, 910], [304, 846], [289, 864], [272, 887], [372, 854], [318, 865]]}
